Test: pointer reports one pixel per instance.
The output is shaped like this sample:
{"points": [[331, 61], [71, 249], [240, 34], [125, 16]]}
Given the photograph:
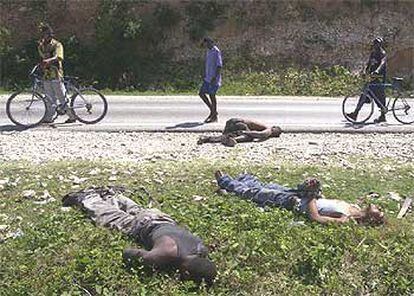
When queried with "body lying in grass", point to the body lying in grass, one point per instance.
{"points": [[239, 130], [306, 198], [168, 244]]}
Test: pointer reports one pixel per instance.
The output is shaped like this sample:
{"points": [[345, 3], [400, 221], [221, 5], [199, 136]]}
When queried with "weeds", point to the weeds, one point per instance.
{"points": [[257, 252]]}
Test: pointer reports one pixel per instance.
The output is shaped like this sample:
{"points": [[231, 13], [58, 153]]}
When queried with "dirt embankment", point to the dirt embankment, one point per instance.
{"points": [[303, 33]]}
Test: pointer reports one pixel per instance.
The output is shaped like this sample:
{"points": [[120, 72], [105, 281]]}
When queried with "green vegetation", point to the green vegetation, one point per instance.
{"points": [[257, 252], [127, 54]]}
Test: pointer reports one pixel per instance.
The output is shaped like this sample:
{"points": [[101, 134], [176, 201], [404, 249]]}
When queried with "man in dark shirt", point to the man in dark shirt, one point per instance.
{"points": [[238, 130], [167, 245], [376, 66]]}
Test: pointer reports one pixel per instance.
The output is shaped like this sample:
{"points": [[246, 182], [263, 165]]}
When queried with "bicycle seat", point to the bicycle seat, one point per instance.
{"points": [[397, 79]]}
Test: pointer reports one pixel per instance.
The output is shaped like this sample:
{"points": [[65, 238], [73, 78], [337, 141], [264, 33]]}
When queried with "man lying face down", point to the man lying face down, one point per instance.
{"points": [[167, 245], [306, 199], [238, 130]]}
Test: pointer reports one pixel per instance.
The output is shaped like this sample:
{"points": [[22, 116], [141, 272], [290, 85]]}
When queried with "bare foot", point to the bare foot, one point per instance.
{"points": [[212, 118], [201, 140]]}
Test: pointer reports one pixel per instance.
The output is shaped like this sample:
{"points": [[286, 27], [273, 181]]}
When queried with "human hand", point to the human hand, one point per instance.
{"points": [[213, 81]]}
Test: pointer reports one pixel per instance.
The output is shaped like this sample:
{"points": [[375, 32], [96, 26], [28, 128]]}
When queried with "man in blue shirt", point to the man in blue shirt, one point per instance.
{"points": [[212, 78]]}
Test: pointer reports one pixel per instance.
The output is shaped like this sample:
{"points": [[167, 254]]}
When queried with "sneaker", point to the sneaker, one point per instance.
{"points": [[352, 115], [47, 121], [70, 120], [70, 200], [380, 119]]}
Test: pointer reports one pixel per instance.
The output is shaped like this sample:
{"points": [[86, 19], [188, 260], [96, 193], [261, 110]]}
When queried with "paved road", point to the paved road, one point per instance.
{"points": [[186, 113]]}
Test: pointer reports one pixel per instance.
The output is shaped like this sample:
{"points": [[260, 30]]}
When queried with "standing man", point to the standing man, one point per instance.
{"points": [[212, 78], [376, 66], [51, 53]]}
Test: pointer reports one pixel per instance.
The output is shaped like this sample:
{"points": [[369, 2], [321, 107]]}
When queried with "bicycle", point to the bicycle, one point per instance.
{"points": [[28, 108], [402, 106]]}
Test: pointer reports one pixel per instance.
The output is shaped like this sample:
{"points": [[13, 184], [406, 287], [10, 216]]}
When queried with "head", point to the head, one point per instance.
{"points": [[378, 43], [311, 187], [207, 42], [46, 31], [373, 216], [276, 131], [197, 269]]}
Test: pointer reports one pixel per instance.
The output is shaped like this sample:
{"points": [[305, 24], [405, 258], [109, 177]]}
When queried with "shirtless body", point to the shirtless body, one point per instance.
{"points": [[239, 130]]}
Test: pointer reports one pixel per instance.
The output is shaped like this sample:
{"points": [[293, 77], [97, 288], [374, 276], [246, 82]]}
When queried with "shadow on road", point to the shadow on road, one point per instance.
{"points": [[185, 125], [362, 125], [12, 128]]}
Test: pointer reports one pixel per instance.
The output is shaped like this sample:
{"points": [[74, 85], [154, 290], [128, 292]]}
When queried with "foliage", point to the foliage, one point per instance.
{"points": [[202, 16], [130, 50], [257, 252]]}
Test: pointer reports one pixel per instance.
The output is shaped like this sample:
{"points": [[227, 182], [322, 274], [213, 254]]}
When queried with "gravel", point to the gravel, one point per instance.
{"points": [[344, 150]]}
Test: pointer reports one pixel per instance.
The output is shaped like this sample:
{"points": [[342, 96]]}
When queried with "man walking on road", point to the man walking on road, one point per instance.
{"points": [[377, 67], [212, 78]]}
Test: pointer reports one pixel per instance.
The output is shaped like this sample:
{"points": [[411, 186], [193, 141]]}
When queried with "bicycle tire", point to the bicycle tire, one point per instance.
{"points": [[349, 104], [12, 115], [81, 101], [403, 109]]}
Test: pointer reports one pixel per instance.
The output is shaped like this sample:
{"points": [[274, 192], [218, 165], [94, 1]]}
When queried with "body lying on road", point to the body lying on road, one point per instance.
{"points": [[305, 199], [167, 244], [239, 130]]}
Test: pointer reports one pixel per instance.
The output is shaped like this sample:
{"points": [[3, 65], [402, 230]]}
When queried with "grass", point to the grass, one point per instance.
{"points": [[257, 252]]}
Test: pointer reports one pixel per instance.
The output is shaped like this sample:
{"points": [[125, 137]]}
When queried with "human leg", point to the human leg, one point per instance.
{"points": [[108, 207], [379, 92], [203, 95], [210, 139], [51, 101], [249, 187], [107, 213], [213, 109], [60, 93]]}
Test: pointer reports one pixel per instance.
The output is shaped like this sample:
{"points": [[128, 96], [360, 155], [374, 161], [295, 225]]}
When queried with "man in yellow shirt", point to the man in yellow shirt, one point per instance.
{"points": [[51, 53]]}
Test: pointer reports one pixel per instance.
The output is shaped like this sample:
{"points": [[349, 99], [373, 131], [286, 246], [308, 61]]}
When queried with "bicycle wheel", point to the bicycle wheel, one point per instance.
{"points": [[403, 109], [349, 105], [26, 108], [89, 106]]}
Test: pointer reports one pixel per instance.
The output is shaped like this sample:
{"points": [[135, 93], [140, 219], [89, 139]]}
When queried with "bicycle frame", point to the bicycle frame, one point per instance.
{"points": [[369, 93]]}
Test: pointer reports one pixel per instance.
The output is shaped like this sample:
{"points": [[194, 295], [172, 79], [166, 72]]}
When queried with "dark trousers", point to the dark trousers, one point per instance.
{"points": [[378, 91]]}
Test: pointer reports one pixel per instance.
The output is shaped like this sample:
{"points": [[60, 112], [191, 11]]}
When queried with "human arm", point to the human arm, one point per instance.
{"points": [[261, 135], [57, 54], [315, 216], [214, 79], [156, 256], [219, 65], [382, 64]]}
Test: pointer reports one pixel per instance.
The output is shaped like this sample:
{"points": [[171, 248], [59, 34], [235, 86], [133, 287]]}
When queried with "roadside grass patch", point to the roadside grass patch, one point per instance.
{"points": [[257, 251]]}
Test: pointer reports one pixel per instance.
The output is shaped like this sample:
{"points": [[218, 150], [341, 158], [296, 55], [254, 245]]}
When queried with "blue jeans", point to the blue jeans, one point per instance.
{"points": [[249, 187]]}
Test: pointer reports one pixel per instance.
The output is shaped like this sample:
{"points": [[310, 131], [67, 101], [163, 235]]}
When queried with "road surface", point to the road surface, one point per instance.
{"points": [[186, 113]]}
